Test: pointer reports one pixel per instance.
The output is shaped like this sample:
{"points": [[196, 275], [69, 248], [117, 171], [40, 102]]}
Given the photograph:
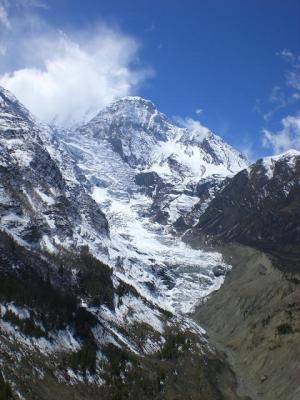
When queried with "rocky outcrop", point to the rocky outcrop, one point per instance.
{"points": [[151, 181]]}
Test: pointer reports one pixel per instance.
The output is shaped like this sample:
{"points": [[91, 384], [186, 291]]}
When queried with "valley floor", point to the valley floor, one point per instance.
{"points": [[254, 319]]}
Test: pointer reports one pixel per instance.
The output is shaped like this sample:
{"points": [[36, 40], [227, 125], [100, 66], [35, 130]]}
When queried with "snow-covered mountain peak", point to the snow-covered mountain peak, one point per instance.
{"points": [[147, 139], [134, 113], [132, 105], [121, 189], [138, 100], [131, 108], [292, 152]]}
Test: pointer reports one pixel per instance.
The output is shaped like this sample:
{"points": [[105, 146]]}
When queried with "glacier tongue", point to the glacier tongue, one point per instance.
{"points": [[156, 263]]}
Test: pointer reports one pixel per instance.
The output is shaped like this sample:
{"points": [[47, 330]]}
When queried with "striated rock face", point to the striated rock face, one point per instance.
{"points": [[133, 126], [260, 206], [41, 205]]}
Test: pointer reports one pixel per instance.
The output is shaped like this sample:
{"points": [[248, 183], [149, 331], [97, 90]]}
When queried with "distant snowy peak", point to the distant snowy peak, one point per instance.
{"points": [[146, 139], [132, 106], [132, 109]]}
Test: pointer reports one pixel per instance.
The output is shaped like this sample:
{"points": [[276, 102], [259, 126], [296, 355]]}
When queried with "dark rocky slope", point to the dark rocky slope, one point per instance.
{"points": [[39, 203], [259, 207]]}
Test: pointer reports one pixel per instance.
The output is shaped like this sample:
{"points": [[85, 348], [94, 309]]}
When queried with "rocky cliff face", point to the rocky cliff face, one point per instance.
{"points": [[40, 205], [260, 206]]}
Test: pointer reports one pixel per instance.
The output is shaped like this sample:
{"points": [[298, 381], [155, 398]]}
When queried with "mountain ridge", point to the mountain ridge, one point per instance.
{"points": [[259, 207], [119, 307]]}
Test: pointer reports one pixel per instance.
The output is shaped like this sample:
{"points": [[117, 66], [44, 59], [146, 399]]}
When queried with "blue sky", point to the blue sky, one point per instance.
{"points": [[233, 65]]}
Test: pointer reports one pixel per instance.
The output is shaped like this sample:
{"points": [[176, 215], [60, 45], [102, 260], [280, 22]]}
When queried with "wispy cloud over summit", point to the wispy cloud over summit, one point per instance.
{"points": [[4, 20], [64, 76]]}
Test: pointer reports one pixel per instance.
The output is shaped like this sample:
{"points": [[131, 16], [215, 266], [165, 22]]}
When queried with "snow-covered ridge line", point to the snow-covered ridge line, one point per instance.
{"points": [[141, 128], [289, 157]]}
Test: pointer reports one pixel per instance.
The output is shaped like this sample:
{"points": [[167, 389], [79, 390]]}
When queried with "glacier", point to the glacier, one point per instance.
{"points": [[144, 252]]}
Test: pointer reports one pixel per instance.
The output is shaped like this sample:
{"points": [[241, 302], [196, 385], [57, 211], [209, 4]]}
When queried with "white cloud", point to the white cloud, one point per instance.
{"points": [[2, 49], [151, 28], [199, 111], [33, 3], [288, 137], [23, 4], [4, 20], [249, 152], [293, 74], [293, 78], [277, 96], [283, 96], [287, 55], [65, 77], [296, 96]]}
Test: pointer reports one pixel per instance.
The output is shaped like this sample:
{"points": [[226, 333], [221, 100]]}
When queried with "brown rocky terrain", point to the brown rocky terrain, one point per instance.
{"points": [[255, 319]]}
